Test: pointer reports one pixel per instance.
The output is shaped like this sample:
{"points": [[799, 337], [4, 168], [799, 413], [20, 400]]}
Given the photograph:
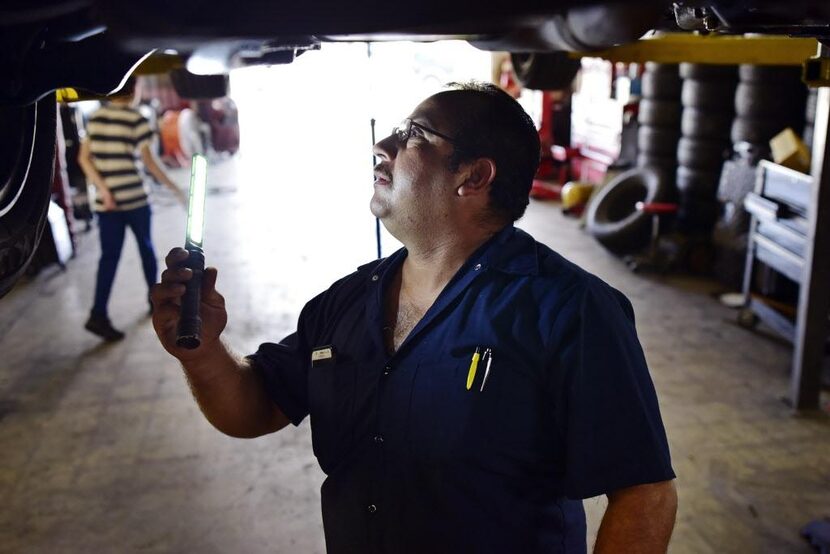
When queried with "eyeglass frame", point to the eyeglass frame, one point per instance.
{"points": [[408, 123]]}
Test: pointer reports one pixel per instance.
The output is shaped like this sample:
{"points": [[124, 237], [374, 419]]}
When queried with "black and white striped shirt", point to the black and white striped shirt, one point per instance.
{"points": [[116, 133]]}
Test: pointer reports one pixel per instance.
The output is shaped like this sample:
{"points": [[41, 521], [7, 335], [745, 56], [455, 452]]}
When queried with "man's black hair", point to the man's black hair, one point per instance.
{"points": [[491, 124]]}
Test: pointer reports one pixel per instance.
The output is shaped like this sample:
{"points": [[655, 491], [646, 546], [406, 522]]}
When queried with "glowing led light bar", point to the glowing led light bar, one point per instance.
{"points": [[196, 206]]}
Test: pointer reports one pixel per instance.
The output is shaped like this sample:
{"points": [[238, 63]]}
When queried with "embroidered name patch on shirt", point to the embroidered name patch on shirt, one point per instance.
{"points": [[322, 356]]}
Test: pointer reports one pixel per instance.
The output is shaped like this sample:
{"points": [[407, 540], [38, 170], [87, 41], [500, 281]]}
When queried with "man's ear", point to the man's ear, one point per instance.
{"points": [[480, 173]]}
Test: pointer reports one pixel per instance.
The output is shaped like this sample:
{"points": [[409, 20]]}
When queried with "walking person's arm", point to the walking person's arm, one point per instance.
{"points": [[157, 172], [88, 166], [229, 392]]}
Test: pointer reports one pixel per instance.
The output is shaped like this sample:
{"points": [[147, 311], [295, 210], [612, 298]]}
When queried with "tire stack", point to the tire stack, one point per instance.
{"points": [[768, 100], [810, 118], [707, 98], [659, 118]]}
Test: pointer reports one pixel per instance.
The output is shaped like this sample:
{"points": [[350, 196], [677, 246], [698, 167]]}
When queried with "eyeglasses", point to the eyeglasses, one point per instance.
{"points": [[404, 131]]}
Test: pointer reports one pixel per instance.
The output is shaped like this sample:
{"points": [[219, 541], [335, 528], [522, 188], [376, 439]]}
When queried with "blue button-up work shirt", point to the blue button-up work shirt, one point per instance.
{"points": [[418, 463]]}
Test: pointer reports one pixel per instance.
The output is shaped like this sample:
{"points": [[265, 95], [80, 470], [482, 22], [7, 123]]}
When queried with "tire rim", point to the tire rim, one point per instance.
{"points": [[624, 203], [15, 149]]}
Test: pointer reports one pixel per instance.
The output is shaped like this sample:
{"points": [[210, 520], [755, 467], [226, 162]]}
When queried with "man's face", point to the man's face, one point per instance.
{"points": [[414, 186]]}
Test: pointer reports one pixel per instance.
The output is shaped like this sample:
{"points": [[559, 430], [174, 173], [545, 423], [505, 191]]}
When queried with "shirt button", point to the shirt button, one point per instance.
{"points": [[374, 277], [371, 508], [477, 267], [378, 439]]}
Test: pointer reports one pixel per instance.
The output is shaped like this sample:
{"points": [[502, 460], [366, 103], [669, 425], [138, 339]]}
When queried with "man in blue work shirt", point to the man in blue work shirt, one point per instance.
{"points": [[468, 391]]}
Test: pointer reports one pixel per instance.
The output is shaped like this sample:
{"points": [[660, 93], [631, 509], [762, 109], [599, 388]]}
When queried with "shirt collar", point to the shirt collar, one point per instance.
{"points": [[511, 250]]}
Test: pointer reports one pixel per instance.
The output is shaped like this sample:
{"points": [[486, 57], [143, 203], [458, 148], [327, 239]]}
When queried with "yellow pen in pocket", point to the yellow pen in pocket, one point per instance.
{"points": [[471, 375]]}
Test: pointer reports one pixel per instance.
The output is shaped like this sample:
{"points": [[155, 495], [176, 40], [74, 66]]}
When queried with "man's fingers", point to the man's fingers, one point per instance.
{"points": [[209, 280], [209, 294], [176, 275], [166, 291], [175, 257]]}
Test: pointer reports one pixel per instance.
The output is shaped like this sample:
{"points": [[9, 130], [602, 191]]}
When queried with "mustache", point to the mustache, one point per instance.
{"points": [[382, 170]]}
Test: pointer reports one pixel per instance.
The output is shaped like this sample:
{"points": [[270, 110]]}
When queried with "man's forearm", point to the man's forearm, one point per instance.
{"points": [[156, 171], [93, 175], [231, 395], [638, 519], [161, 176]]}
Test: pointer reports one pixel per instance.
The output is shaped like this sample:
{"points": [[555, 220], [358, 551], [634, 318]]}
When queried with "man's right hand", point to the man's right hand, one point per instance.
{"points": [[107, 199], [167, 299]]}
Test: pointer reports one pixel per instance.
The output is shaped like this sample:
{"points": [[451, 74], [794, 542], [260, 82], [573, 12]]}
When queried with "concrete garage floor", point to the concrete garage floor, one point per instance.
{"points": [[103, 450]]}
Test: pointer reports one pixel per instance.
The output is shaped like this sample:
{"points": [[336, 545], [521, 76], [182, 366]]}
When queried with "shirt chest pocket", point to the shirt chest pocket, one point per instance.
{"points": [[447, 421], [331, 406]]}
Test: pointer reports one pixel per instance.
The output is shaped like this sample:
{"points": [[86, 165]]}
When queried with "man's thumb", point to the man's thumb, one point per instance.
{"points": [[209, 282]]}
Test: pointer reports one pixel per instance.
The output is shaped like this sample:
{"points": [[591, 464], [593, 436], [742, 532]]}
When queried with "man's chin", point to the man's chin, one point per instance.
{"points": [[378, 208]]}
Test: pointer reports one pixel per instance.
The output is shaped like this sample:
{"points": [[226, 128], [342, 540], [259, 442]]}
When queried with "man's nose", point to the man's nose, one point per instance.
{"points": [[386, 148]]}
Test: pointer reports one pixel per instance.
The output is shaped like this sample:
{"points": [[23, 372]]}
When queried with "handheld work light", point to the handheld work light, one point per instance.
{"points": [[190, 321]]}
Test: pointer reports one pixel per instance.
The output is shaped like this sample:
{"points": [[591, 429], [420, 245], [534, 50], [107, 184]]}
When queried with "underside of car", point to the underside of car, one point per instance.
{"points": [[94, 45]]}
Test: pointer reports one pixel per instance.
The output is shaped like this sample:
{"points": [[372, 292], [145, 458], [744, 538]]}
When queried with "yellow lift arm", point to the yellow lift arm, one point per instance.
{"points": [[712, 49], [724, 50]]}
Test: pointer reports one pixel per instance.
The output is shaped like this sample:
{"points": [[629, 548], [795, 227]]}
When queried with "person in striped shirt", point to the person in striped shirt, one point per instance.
{"points": [[118, 137]]}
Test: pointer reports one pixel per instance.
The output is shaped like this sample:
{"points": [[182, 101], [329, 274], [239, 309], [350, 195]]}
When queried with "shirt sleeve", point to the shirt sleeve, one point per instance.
{"points": [[606, 407], [142, 134], [283, 369], [284, 366]]}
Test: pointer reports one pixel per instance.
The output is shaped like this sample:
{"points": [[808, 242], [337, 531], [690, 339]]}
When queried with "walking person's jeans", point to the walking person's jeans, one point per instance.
{"points": [[112, 226]]}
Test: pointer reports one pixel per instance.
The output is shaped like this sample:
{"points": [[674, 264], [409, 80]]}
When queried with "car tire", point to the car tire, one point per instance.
{"points": [[703, 124], [545, 71], [26, 166], [756, 100], [755, 130], [659, 113], [768, 73], [700, 154], [708, 72], [696, 183], [660, 141], [661, 86], [663, 69], [695, 215], [666, 164], [612, 217], [196, 87], [708, 95]]}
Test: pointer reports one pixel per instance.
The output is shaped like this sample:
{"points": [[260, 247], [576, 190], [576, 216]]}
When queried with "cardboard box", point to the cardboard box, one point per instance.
{"points": [[790, 151]]}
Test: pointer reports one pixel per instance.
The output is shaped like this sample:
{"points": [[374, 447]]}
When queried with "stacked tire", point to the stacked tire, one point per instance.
{"points": [[659, 118], [768, 99], [707, 98]]}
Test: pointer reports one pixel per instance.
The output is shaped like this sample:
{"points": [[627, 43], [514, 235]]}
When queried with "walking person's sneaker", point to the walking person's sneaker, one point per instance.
{"points": [[101, 326]]}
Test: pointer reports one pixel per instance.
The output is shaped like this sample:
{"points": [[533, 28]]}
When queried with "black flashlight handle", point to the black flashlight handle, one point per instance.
{"points": [[189, 334]]}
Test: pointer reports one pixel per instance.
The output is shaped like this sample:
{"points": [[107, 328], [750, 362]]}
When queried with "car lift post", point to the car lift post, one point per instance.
{"points": [[811, 329]]}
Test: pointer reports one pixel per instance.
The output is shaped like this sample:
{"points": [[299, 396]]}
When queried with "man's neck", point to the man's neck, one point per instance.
{"points": [[432, 262]]}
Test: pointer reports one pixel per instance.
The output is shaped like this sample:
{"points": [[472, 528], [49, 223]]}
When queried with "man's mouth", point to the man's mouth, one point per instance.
{"points": [[382, 178]]}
